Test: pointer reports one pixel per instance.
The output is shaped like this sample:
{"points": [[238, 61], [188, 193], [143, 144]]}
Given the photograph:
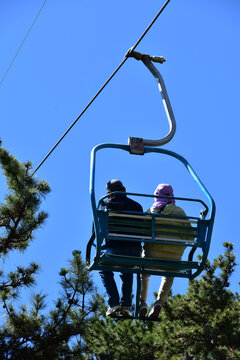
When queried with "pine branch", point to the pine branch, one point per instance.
{"points": [[19, 214]]}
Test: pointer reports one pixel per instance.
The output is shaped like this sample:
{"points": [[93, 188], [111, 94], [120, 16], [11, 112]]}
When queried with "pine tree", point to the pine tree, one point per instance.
{"points": [[19, 218], [205, 322], [32, 332], [202, 324]]}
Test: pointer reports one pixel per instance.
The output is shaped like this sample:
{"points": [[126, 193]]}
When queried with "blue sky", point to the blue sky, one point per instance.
{"points": [[71, 50]]}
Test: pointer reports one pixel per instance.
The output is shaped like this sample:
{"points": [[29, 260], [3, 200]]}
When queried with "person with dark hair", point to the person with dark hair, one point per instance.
{"points": [[119, 202]]}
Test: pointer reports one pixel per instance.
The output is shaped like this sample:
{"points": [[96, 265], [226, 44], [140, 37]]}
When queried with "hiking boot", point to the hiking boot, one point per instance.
{"points": [[155, 311]]}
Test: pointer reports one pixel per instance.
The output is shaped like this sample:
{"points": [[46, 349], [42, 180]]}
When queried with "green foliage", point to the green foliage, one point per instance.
{"points": [[120, 340], [19, 214], [206, 320], [202, 324], [33, 334], [30, 332]]}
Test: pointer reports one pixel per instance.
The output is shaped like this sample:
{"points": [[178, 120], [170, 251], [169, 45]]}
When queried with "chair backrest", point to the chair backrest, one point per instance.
{"points": [[152, 227], [178, 232]]}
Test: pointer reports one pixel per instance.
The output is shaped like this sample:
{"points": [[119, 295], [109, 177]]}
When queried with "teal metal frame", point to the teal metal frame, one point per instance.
{"points": [[205, 226]]}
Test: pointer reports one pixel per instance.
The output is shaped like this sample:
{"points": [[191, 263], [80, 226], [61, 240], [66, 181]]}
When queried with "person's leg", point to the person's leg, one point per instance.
{"points": [[166, 283], [162, 297], [127, 281], [144, 287], [110, 286], [145, 278], [143, 295], [164, 289], [127, 278]]}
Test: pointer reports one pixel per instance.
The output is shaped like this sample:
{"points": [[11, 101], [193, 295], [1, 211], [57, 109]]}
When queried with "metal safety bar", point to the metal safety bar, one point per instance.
{"points": [[204, 212]]}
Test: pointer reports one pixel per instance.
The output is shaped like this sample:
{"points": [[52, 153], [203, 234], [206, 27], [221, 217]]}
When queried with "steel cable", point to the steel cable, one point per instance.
{"points": [[18, 50], [103, 86]]}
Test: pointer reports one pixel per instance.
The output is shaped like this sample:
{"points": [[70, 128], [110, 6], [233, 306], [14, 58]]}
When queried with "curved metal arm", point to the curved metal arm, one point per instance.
{"points": [[146, 59], [89, 246]]}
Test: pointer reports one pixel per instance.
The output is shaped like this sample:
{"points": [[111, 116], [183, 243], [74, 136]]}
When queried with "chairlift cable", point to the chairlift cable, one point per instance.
{"points": [[25, 37], [103, 86]]}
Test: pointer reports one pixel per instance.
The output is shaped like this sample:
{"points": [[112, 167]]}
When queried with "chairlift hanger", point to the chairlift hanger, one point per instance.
{"points": [[147, 226], [136, 142]]}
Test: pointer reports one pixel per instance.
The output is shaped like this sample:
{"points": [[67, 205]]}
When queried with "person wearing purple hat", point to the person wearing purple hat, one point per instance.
{"points": [[120, 247], [165, 206]]}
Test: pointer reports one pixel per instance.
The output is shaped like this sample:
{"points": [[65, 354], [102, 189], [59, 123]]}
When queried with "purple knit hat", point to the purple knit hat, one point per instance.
{"points": [[163, 190]]}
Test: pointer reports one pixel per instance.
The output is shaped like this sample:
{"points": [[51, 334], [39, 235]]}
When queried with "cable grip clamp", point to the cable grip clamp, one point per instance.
{"points": [[136, 145], [139, 56]]}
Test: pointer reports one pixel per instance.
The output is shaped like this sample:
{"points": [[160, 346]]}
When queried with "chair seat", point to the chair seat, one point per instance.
{"points": [[146, 263]]}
